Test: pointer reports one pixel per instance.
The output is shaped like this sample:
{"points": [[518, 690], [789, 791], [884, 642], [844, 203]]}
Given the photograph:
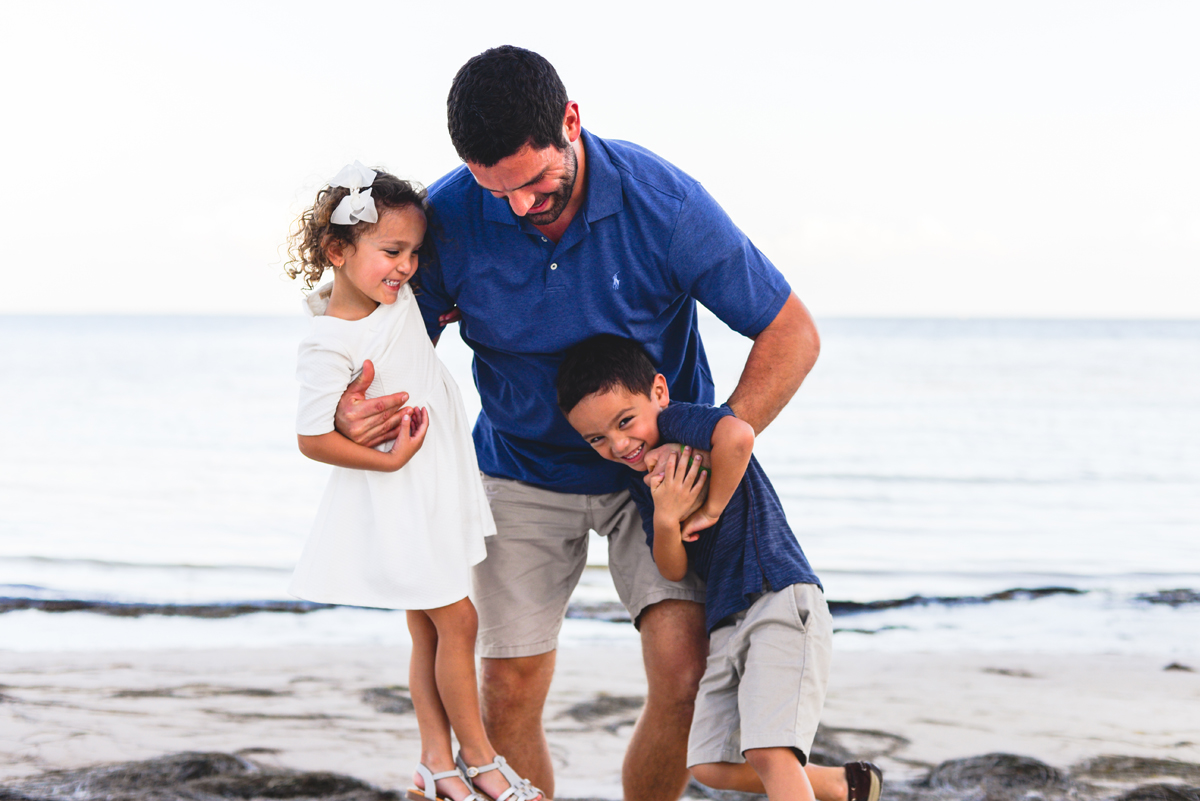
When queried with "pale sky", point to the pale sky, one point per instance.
{"points": [[892, 158]]}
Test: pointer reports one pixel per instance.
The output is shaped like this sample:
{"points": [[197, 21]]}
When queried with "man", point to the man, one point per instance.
{"points": [[547, 236]]}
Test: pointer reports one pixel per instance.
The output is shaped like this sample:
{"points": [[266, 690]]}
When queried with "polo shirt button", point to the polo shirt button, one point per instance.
{"points": [[553, 266], [544, 239]]}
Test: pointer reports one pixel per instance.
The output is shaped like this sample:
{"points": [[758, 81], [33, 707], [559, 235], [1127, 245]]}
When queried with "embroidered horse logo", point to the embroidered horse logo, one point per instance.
{"points": [[616, 281]]}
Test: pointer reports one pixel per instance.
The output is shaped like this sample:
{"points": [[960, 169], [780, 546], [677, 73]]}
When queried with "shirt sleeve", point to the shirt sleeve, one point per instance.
{"points": [[718, 265], [324, 370], [691, 424], [431, 294]]}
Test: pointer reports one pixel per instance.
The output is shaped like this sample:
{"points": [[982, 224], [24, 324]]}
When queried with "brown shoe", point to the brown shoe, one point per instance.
{"points": [[864, 780]]}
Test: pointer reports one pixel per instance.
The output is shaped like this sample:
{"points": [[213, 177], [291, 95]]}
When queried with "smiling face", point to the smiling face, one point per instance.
{"points": [[543, 185], [536, 183], [382, 260], [621, 426]]}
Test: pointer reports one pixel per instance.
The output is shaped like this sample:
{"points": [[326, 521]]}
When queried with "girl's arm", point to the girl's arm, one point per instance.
{"points": [[334, 449], [676, 491], [732, 446]]}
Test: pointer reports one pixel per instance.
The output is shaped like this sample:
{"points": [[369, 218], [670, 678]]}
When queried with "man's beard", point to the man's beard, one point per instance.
{"points": [[562, 195]]}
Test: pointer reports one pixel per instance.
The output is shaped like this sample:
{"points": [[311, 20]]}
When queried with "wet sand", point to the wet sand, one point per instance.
{"points": [[346, 711]]}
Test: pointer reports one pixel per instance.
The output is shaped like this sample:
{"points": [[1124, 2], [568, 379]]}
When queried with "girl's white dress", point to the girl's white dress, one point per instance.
{"points": [[402, 540]]}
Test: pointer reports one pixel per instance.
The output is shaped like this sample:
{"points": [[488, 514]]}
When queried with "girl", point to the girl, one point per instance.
{"points": [[400, 524]]}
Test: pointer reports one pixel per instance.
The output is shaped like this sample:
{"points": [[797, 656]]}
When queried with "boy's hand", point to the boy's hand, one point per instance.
{"points": [[414, 424], [696, 522], [677, 489], [656, 465]]}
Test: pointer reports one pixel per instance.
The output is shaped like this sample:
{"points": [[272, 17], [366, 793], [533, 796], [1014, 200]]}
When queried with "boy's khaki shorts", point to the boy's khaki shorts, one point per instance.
{"points": [[764, 685], [534, 561]]}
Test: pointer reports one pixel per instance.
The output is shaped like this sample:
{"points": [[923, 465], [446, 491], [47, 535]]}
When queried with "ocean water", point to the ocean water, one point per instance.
{"points": [[152, 460]]}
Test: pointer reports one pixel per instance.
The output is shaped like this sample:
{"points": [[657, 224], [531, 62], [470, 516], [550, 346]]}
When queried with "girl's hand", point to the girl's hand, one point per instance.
{"points": [[677, 489], [414, 424]]}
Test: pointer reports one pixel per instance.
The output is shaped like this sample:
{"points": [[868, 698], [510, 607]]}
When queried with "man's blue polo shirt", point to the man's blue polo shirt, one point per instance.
{"points": [[647, 244]]}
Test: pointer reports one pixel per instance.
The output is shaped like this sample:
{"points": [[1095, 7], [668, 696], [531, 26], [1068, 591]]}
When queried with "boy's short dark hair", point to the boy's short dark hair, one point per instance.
{"points": [[601, 364], [503, 99]]}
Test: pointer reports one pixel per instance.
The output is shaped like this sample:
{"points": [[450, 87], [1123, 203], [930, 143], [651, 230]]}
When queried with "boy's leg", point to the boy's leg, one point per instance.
{"points": [[781, 774], [521, 592], [828, 783], [781, 641], [787, 643], [670, 617]]}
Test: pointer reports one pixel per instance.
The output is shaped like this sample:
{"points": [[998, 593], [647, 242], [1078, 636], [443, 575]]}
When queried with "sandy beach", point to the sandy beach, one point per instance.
{"points": [[344, 710]]}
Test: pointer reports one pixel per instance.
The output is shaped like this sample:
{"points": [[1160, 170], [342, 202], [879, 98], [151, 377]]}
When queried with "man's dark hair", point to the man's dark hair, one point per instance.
{"points": [[601, 364], [503, 99]]}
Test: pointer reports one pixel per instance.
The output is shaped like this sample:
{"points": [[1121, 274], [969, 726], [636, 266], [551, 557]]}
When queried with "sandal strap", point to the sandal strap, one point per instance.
{"points": [[430, 779], [519, 787]]}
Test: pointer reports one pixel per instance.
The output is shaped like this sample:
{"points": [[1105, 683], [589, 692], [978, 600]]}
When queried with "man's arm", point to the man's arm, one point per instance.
{"points": [[368, 422], [782, 355]]}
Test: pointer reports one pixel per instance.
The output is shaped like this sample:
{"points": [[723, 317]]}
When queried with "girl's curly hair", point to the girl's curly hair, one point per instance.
{"points": [[313, 231]]}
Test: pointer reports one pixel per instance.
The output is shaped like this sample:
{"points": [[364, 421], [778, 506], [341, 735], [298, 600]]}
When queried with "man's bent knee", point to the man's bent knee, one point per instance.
{"points": [[675, 649], [521, 682]]}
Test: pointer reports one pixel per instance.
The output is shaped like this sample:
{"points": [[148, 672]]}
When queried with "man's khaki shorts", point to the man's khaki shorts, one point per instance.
{"points": [[764, 684], [534, 561]]}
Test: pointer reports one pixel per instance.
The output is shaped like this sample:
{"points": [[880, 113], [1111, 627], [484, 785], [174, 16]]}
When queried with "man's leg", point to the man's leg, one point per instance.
{"points": [[674, 649], [521, 591], [514, 696], [670, 617]]}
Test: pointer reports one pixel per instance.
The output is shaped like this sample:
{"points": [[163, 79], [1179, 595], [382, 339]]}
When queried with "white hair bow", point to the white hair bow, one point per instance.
{"points": [[358, 205]]}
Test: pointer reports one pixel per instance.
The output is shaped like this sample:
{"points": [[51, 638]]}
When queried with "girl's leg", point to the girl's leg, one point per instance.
{"points": [[456, 626], [828, 783], [436, 750]]}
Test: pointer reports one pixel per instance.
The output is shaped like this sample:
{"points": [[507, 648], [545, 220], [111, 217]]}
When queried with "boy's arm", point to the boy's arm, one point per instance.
{"points": [[656, 464], [675, 491], [334, 449], [732, 446]]}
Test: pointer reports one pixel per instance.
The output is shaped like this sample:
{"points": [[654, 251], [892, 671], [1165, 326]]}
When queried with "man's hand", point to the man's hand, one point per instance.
{"points": [[368, 422], [678, 488], [655, 459]]}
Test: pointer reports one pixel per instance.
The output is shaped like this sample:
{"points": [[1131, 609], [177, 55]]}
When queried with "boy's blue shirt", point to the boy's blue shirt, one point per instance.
{"points": [[751, 549], [647, 243]]}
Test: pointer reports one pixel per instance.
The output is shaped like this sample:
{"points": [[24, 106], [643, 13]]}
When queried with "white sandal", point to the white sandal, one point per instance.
{"points": [[430, 792], [519, 789]]}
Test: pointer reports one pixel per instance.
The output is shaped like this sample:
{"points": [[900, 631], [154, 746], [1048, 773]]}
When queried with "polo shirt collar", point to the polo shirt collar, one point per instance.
{"points": [[604, 182], [604, 195]]}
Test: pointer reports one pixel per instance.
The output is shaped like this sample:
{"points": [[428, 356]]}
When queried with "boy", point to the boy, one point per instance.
{"points": [[770, 630]]}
